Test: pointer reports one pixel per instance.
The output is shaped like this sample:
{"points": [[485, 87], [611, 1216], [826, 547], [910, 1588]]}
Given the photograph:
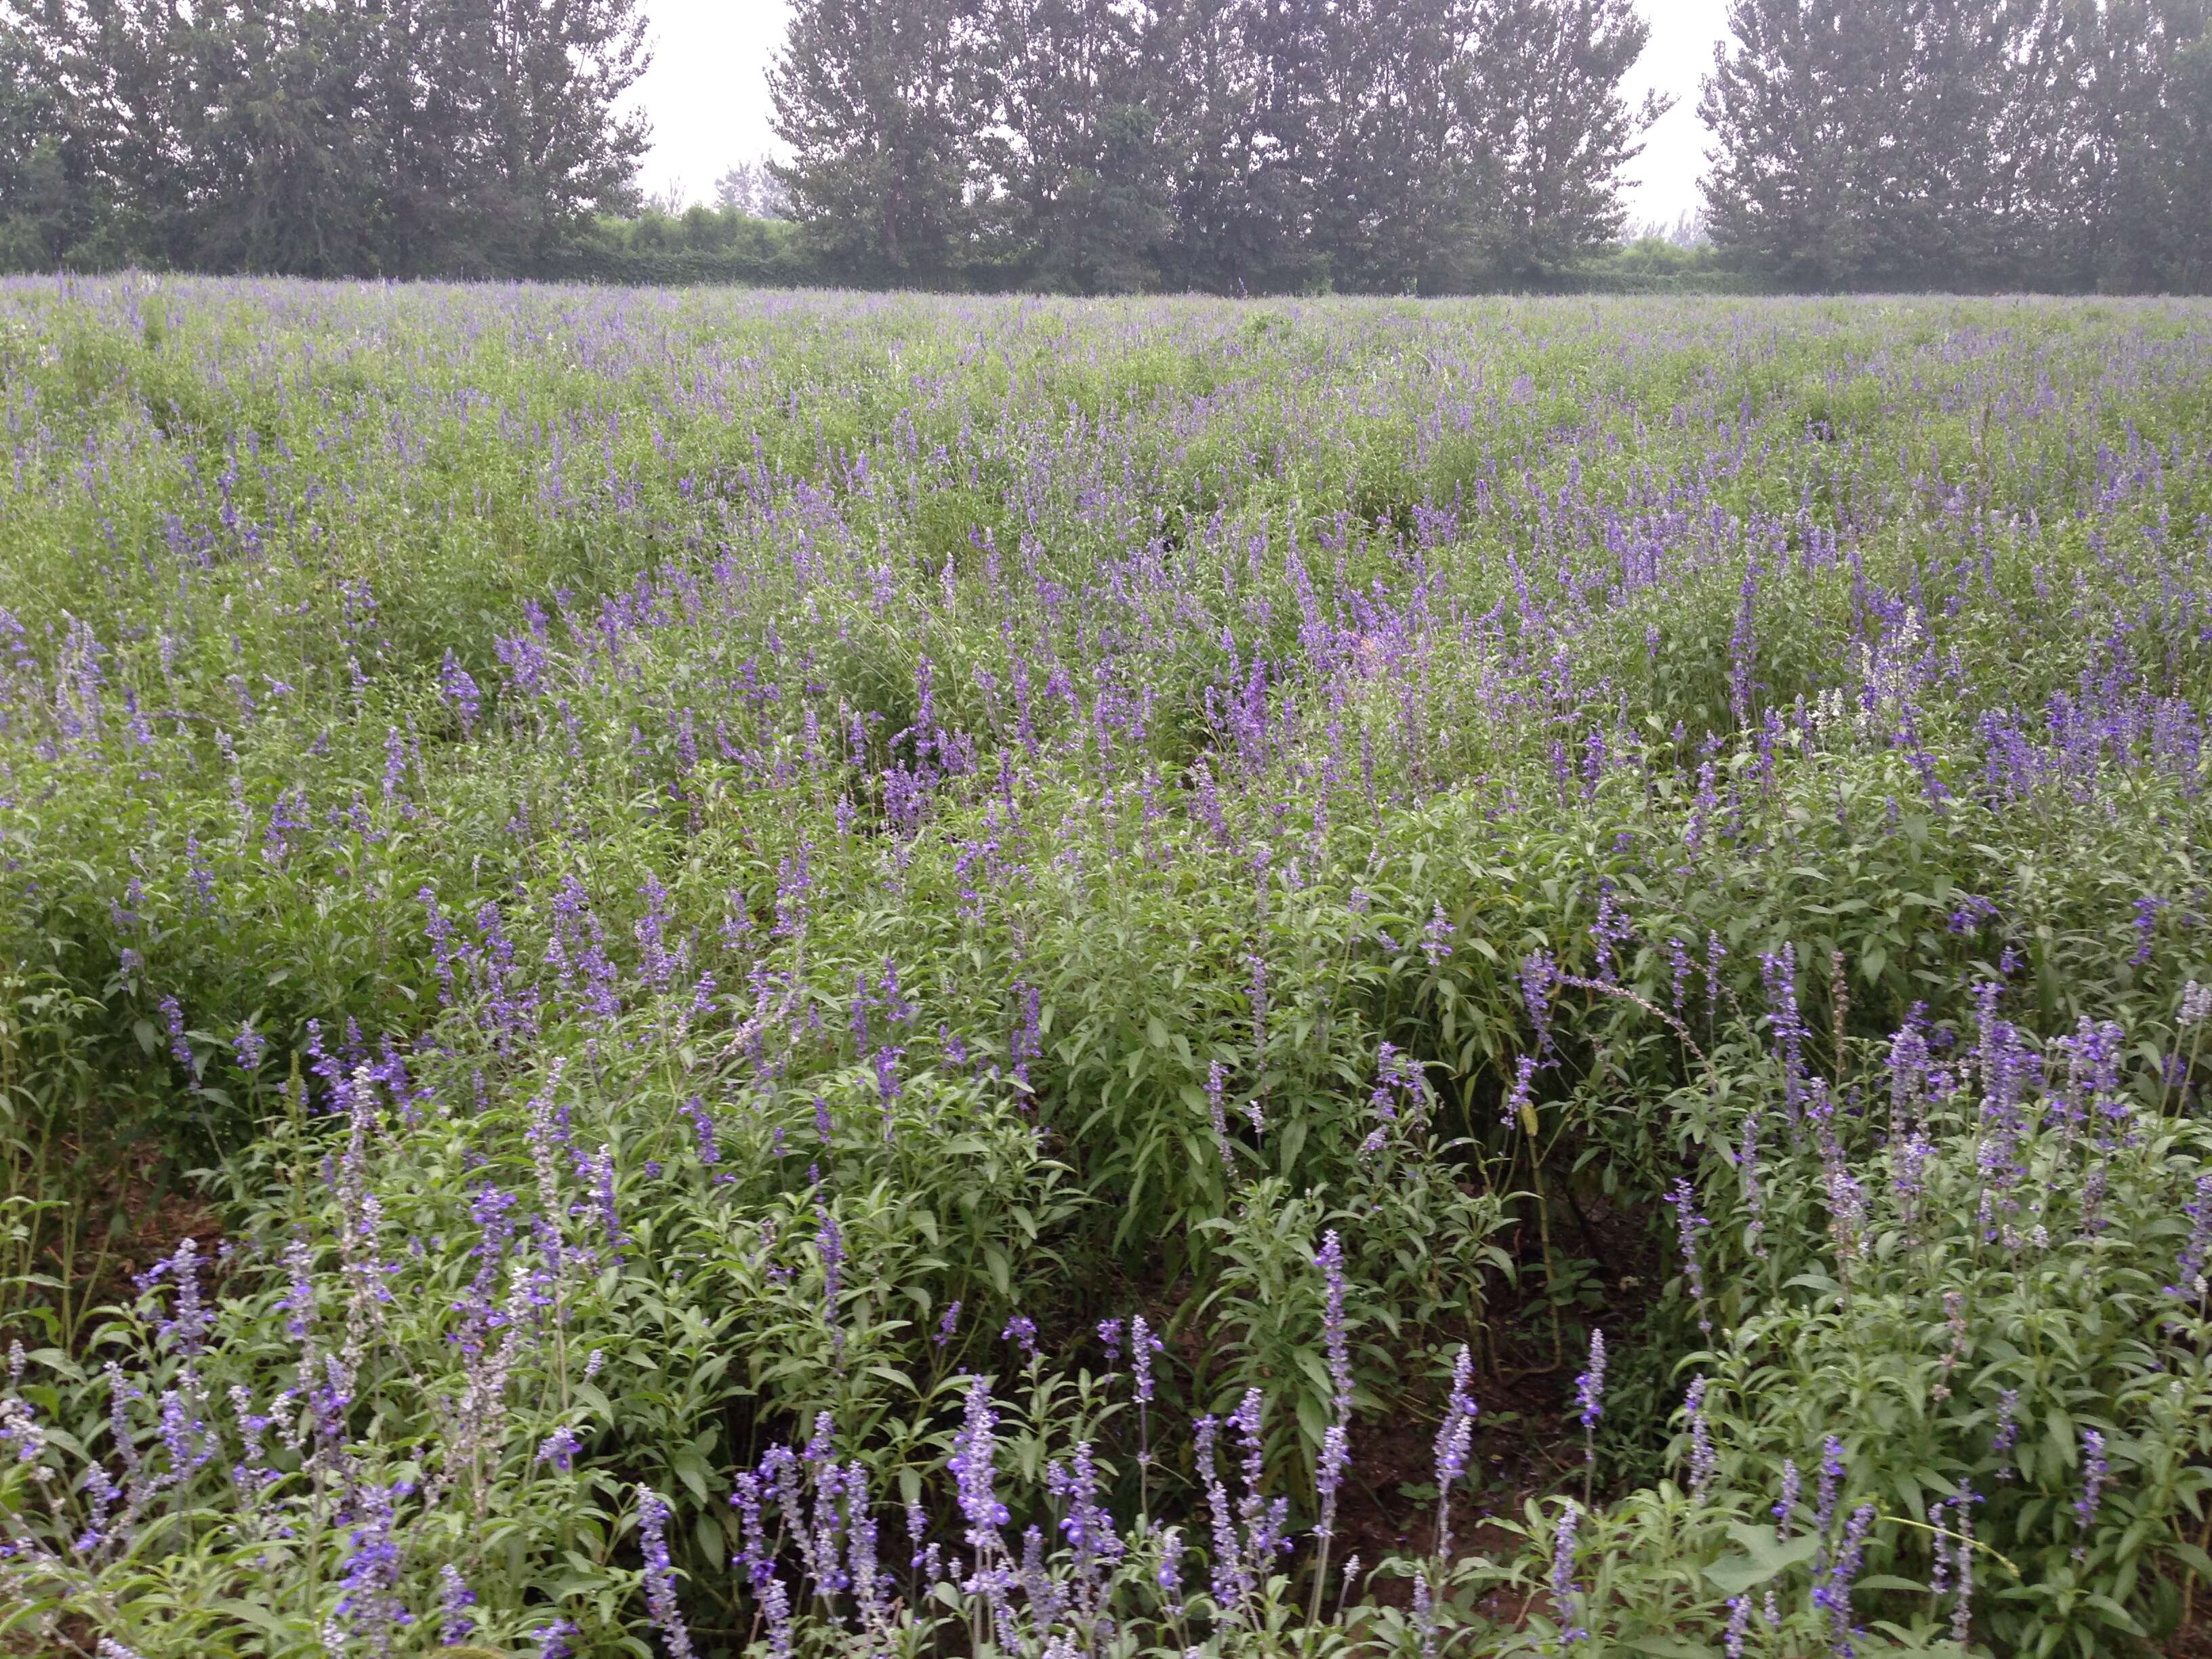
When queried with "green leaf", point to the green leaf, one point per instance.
{"points": [[1763, 1559], [1672, 1647]]}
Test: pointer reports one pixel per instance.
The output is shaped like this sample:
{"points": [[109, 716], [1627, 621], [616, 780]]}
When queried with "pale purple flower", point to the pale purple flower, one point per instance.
{"points": [[1454, 1440], [1687, 1221], [2095, 1471], [1785, 1508], [661, 1601], [1590, 1387], [1539, 975], [1705, 1461], [2189, 1279], [1143, 1345], [454, 1599], [1520, 1103], [1565, 1590], [560, 1448]]}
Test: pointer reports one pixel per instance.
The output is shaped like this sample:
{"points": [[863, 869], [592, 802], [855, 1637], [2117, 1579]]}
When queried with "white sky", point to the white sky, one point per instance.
{"points": [[707, 94]]}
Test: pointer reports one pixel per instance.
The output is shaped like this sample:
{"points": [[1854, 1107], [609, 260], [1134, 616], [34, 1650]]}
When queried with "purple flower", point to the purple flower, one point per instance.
{"points": [[1434, 937], [974, 1451], [703, 1126], [652, 1514], [1611, 932], [2007, 1432], [829, 1243], [560, 1448], [1705, 1461], [1590, 1387], [1454, 1440], [1833, 1595], [1687, 1223], [2196, 1005], [1143, 1345], [1021, 1330], [172, 1015], [1217, 1110], [461, 691], [1739, 1626], [2092, 1093], [1833, 1470], [1089, 1529], [1425, 1613], [1563, 1587], [2146, 927], [600, 1173], [187, 1329], [1971, 913], [947, 1326], [1539, 975], [1778, 971], [2189, 1282], [1678, 960], [1520, 1104], [370, 1572], [1168, 1577], [1335, 1343], [1962, 1522], [287, 813], [1785, 1508], [454, 1599], [2095, 1470]]}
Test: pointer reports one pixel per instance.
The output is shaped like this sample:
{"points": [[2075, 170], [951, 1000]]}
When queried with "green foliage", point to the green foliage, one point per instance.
{"points": [[688, 876]]}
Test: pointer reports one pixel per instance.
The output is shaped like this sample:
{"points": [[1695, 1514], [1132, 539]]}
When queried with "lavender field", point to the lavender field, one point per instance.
{"points": [[809, 975]]}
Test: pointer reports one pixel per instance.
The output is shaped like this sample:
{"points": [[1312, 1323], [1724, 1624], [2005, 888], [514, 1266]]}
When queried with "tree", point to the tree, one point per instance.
{"points": [[1790, 109], [549, 78], [883, 106], [2184, 166], [263, 101], [1915, 143], [1400, 173], [43, 212], [1082, 171], [2137, 167], [1234, 81], [1543, 110], [331, 137], [82, 88], [752, 188]]}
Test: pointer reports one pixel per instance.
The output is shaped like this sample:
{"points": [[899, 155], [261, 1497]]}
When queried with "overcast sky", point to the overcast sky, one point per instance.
{"points": [[707, 95]]}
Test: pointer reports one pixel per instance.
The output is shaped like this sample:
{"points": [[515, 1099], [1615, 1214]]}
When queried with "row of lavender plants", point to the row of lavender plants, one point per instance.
{"points": [[825, 974]]}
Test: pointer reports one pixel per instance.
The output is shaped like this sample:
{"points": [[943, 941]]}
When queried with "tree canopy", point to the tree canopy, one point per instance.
{"points": [[1107, 146], [1959, 143], [318, 137]]}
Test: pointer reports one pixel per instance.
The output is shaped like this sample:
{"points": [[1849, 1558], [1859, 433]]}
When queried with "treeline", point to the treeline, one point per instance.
{"points": [[659, 247], [314, 137], [2056, 144], [1113, 145], [1225, 145], [1445, 144]]}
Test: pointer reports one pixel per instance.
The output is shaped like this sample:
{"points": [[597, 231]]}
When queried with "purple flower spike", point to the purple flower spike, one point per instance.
{"points": [[652, 1514]]}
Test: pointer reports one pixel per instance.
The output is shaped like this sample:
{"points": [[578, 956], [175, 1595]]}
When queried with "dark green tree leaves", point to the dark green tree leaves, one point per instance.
{"points": [[884, 107], [1955, 144], [455, 136]]}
